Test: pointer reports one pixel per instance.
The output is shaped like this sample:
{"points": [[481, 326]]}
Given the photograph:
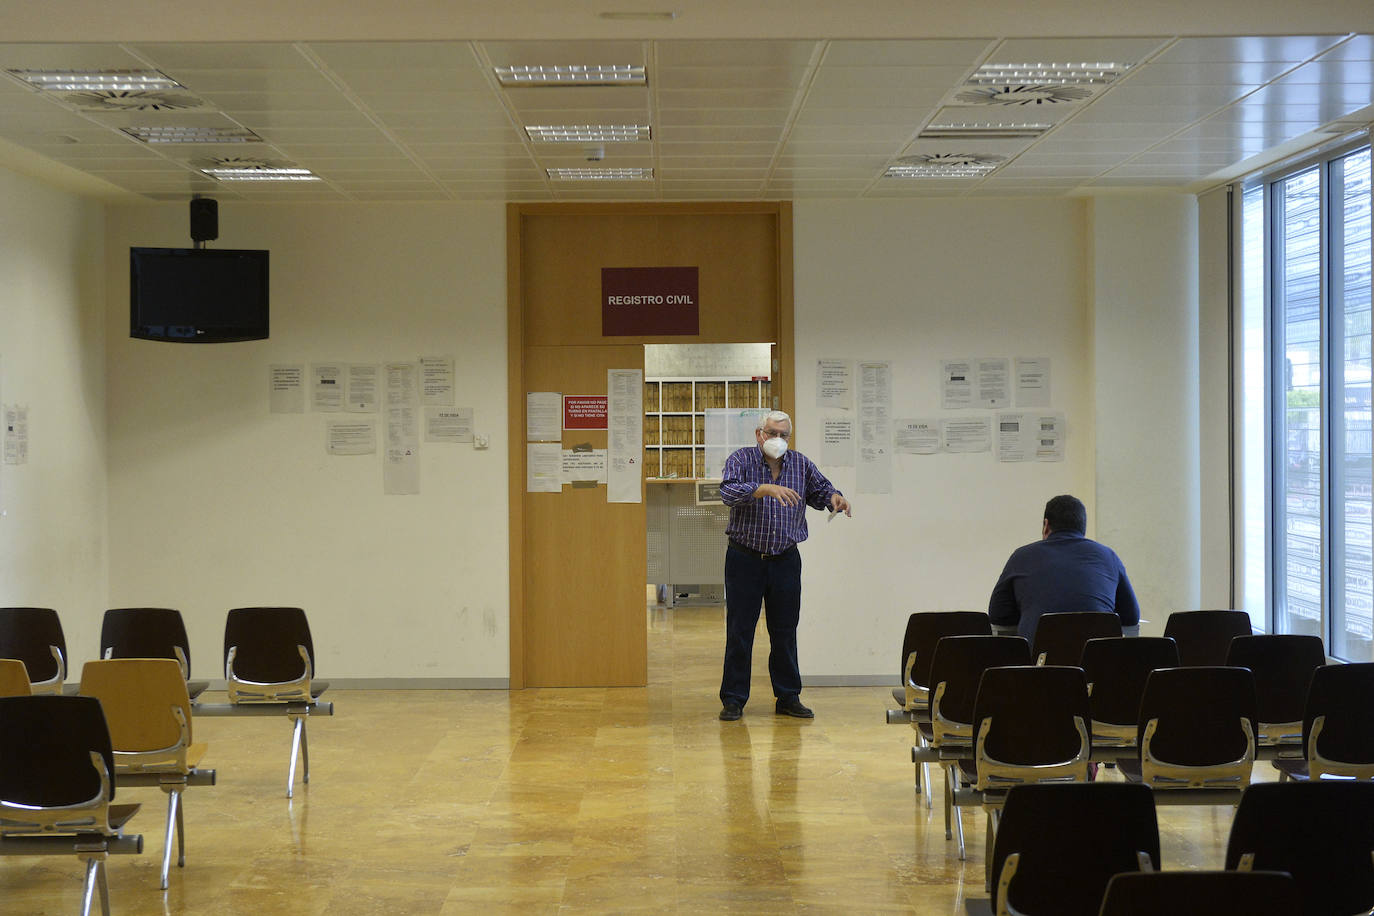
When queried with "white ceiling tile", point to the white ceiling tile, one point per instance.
{"points": [[255, 81], [1075, 50], [563, 53], [715, 134], [460, 120], [317, 151], [225, 56], [724, 117], [669, 99], [725, 162], [395, 194], [319, 135], [720, 172], [1244, 73], [908, 118], [419, 80], [676, 54], [344, 56], [730, 78], [437, 100], [874, 97], [809, 149], [263, 101], [889, 77], [424, 138], [383, 185], [1359, 47], [618, 98], [715, 149], [1283, 48], [903, 53], [861, 133], [719, 183], [1195, 96], [67, 57], [258, 121]]}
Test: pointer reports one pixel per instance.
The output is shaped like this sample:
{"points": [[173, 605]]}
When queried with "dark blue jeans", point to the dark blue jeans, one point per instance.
{"points": [[775, 584]]}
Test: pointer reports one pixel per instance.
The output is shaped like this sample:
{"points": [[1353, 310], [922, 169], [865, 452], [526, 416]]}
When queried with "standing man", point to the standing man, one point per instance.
{"points": [[767, 490], [1063, 571]]}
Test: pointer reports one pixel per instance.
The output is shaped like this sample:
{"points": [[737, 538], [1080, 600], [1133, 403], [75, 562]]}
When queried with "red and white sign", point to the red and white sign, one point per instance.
{"points": [[649, 301], [584, 411]]}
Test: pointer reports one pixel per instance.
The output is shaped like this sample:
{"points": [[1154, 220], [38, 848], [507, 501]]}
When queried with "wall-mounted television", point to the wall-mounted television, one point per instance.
{"points": [[198, 295]]}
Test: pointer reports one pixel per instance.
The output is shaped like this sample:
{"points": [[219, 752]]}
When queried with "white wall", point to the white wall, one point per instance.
{"points": [[915, 282], [53, 509], [217, 503], [1145, 347]]}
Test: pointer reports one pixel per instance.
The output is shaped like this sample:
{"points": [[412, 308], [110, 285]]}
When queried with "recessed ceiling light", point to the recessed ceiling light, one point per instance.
{"points": [[621, 174], [1052, 74], [576, 75], [982, 130], [261, 174], [192, 134], [935, 171], [587, 133], [88, 80], [635, 16]]}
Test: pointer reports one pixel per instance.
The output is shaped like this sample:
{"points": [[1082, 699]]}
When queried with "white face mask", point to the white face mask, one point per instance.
{"points": [[774, 448]]}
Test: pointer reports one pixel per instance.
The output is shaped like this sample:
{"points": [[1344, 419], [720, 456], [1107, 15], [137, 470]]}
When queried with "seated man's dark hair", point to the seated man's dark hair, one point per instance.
{"points": [[1066, 513]]}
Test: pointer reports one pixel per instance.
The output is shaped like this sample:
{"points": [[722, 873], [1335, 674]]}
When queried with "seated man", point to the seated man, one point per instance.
{"points": [[1063, 571]]}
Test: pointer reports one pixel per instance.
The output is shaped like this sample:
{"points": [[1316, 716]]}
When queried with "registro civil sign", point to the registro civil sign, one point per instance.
{"points": [[648, 301]]}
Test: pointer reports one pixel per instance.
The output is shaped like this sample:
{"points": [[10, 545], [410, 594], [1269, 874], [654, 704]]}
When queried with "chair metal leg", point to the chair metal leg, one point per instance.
{"points": [[95, 883], [925, 778], [173, 826], [949, 806], [296, 731], [181, 834], [305, 753]]}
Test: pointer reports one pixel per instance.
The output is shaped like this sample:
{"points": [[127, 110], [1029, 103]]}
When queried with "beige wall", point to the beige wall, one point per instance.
{"points": [[53, 509], [216, 503]]}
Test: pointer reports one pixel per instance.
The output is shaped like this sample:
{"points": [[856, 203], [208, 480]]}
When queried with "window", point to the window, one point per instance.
{"points": [[1303, 450]]}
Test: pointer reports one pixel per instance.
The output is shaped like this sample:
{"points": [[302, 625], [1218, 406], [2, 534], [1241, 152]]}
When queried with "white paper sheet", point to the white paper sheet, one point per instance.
{"points": [[916, 436], [834, 383], [994, 382], [544, 416], [625, 436], [1013, 436], [16, 434], [401, 460], [448, 424], [286, 388], [581, 466], [1033, 381], [401, 471], [837, 442], [956, 383], [1049, 435], [967, 434], [350, 437], [875, 428], [543, 467], [362, 388], [326, 387], [436, 381]]}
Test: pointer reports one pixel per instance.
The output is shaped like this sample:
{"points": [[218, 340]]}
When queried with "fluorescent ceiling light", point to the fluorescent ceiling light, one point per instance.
{"points": [[633, 16], [1052, 74], [587, 133], [576, 75], [983, 130], [623, 174], [261, 174], [95, 80], [937, 171], [193, 134]]}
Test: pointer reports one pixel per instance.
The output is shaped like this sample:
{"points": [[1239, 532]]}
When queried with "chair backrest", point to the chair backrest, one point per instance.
{"points": [[1204, 637], [266, 639], [51, 766], [145, 632], [1282, 666], [1068, 840], [1322, 833], [146, 706], [925, 630], [1342, 696], [1059, 637], [1034, 716], [958, 667], [14, 678], [1202, 893], [1192, 717], [1117, 669], [30, 634]]}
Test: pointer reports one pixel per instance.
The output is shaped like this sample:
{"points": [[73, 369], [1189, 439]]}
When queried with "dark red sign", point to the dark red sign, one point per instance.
{"points": [[584, 411], [648, 301]]}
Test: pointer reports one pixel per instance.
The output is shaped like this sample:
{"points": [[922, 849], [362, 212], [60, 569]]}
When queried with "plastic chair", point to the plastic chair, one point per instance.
{"points": [[1337, 726], [56, 787], [14, 678], [1282, 667], [148, 711], [1059, 845], [1059, 638], [1116, 670], [1204, 637], [269, 658], [1202, 893], [1321, 833], [34, 636], [149, 632]]}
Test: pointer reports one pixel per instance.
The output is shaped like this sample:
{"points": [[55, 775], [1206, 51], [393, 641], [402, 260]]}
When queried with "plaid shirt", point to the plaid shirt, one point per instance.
{"points": [[766, 525]]}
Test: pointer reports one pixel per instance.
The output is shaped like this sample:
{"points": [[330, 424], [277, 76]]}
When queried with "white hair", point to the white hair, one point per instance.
{"points": [[773, 416]]}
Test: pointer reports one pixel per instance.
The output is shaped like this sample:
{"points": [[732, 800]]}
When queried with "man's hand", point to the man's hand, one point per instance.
{"points": [[839, 504], [785, 495]]}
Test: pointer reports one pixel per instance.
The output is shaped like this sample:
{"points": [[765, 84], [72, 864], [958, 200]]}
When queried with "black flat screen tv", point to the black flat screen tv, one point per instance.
{"points": [[198, 295]]}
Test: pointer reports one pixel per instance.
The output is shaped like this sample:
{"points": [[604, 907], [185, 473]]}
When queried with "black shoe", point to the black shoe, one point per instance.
{"points": [[730, 712], [794, 708]]}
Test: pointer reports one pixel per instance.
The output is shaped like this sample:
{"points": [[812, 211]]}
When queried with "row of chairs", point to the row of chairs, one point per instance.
{"points": [[1093, 848]]}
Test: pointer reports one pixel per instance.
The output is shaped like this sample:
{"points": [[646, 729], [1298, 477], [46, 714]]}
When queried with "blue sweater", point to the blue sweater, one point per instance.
{"points": [[1064, 572]]}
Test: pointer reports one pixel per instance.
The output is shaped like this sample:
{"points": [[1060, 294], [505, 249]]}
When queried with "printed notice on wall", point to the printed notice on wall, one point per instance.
{"points": [[837, 442], [543, 416], [350, 437], [286, 388], [956, 383], [1032, 381], [362, 388], [994, 382], [916, 437], [875, 428], [584, 466], [16, 434], [543, 467], [436, 381], [1049, 436], [448, 424], [834, 383], [401, 461], [1013, 437], [326, 386], [967, 434], [625, 437]]}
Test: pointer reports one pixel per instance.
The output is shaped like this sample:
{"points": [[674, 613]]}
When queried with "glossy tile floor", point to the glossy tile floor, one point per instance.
{"points": [[565, 801]]}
